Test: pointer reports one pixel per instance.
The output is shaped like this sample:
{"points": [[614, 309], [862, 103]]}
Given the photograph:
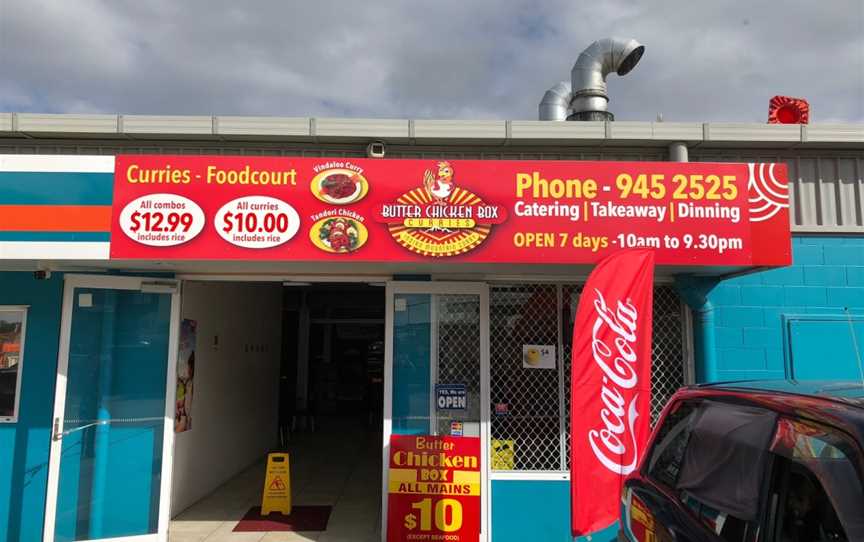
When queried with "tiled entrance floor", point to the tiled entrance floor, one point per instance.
{"points": [[338, 465]]}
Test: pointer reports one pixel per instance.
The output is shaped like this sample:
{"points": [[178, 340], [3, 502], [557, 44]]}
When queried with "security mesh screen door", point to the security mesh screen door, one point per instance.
{"points": [[530, 395], [436, 364], [456, 371], [439, 352], [526, 410]]}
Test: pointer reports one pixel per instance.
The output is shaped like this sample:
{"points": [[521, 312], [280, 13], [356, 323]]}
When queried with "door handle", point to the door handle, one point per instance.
{"points": [[87, 424]]}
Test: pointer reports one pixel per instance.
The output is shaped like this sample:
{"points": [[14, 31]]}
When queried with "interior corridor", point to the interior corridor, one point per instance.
{"points": [[339, 464]]}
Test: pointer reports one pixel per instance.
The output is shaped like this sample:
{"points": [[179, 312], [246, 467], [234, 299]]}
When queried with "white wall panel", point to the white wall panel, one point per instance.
{"points": [[236, 385]]}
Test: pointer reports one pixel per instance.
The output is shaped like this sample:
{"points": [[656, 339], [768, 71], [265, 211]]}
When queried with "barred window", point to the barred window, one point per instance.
{"points": [[530, 425], [526, 431], [458, 329]]}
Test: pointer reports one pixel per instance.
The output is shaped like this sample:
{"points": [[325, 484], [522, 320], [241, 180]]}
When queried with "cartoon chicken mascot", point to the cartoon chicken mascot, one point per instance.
{"points": [[440, 187]]}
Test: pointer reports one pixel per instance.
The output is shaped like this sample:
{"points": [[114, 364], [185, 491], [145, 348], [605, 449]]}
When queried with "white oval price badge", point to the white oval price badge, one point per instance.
{"points": [[161, 220], [257, 222]]}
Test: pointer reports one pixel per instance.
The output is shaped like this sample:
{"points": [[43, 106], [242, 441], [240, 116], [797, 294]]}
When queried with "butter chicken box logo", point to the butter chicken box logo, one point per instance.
{"points": [[440, 218]]}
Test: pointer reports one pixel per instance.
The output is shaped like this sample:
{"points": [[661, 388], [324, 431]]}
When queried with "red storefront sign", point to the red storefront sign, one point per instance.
{"points": [[377, 210], [433, 489]]}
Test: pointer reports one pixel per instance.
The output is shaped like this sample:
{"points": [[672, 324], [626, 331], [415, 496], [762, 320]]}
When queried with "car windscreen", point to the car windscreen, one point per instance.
{"points": [[726, 457]]}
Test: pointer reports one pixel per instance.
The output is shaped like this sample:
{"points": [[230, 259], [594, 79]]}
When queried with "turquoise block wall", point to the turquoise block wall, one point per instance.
{"points": [[24, 445], [536, 510], [801, 321]]}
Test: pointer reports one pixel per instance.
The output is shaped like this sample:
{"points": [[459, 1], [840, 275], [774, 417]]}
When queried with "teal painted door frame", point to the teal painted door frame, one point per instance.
{"points": [[398, 365], [113, 432]]}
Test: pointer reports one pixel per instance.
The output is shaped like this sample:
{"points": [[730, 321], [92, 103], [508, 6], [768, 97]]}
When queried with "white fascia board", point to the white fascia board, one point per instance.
{"points": [[548, 130], [56, 163], [361, 128], [54, 250], [834, 133], [174, 125], [263, 126], [67, 123], [460, 129]]}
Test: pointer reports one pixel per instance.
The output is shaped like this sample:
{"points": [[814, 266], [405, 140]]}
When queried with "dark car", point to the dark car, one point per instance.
{"points": [[747, 462]]}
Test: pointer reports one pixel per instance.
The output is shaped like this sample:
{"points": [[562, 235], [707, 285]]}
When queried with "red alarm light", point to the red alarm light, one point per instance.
{"points": [[788, 110]]}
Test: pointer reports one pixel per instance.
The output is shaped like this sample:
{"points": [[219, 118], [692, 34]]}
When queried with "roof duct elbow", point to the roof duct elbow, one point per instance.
{"points": [[588, 76], [555, 104]]}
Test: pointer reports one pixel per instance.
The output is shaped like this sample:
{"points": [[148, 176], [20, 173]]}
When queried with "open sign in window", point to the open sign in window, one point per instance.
{"points": [[451, 396]]}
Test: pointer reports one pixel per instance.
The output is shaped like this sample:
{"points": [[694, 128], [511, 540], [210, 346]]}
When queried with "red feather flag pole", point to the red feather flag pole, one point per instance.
{"points": [[610, 395]]}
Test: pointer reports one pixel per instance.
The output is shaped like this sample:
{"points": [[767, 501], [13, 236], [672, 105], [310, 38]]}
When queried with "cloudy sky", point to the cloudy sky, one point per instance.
{"points": [[717, 60]]}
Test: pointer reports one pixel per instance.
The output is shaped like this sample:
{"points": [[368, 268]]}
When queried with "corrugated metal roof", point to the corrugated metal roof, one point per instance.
{"points": [[825, 161], [826, 186], [430, 131]]}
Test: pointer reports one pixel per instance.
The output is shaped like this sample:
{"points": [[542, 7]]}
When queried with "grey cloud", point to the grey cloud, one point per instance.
{"points": [[719, 60]]}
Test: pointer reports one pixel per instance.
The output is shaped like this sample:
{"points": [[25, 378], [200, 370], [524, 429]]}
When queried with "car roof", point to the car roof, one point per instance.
{"points": [[839, 403], [846, 391]]}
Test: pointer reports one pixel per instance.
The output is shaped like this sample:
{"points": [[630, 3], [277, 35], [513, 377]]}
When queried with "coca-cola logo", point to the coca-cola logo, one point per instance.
{"points": [[614, 445]]}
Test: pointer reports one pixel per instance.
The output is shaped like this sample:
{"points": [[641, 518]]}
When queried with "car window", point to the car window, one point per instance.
{"points": [[727, 457], [712, 455], [725, 525], [817, 489], [804, 512], [667, 456]]}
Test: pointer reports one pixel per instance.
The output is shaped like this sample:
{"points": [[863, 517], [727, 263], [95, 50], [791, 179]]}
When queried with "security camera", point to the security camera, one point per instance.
{"points": [[42, 274], [376, 149]]}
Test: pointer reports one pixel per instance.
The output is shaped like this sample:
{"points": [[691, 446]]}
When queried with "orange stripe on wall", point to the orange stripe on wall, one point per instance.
{"points": [[77, 218]]}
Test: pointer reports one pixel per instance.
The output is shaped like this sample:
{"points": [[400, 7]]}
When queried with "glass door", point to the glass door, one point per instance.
{"points": [[437, 367], [112, 431]]}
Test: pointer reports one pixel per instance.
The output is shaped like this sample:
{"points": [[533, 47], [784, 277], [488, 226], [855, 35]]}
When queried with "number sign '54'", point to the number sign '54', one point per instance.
{"points": [[376, 210]]}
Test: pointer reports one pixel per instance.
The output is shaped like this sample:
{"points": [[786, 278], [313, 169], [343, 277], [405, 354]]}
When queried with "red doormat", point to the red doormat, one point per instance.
{"points": [[302, 518]]}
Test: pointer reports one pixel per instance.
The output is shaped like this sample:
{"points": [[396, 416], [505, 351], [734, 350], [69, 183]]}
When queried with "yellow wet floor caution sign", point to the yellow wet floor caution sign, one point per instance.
{"points": [[277, 485]]}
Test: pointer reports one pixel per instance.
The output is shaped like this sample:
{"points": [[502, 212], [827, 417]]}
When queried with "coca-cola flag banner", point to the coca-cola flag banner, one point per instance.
{"points": [[611, 385]]}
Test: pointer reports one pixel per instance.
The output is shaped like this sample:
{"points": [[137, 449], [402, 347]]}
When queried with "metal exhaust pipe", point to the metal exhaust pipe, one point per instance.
{"points": [[555, 104], [588, 76], [588, 98]]}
